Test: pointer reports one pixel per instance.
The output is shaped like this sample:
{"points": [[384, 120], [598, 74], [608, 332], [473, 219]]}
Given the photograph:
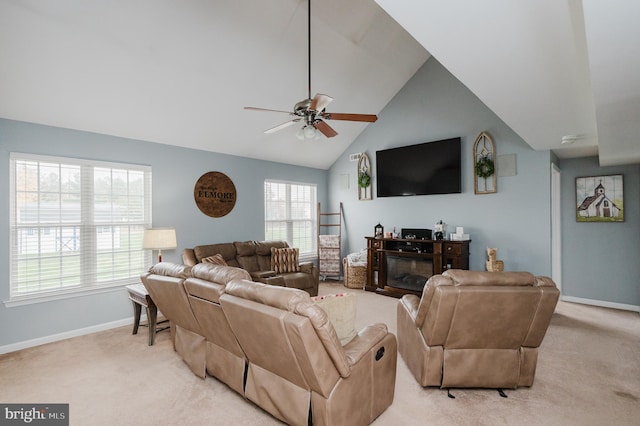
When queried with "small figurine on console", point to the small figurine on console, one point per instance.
{"points": [[440, 230], [494, 265]]}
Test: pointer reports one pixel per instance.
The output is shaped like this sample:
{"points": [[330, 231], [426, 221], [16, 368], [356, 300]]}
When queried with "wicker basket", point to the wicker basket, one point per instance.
{"points": [[354, 276]]}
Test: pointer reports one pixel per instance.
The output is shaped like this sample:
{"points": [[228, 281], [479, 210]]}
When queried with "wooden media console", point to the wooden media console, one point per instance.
{"points": [[399, 266]]}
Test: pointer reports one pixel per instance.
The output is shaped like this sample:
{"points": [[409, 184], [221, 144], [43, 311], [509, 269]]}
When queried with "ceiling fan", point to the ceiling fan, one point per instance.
{"points": [[312, 111]]}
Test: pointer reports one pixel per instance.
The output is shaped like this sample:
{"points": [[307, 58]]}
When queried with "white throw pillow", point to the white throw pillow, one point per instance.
{"points": [[341, 310]]}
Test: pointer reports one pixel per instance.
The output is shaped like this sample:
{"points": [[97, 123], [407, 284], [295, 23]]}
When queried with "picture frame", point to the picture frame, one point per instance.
{"points": [[600, 198]]}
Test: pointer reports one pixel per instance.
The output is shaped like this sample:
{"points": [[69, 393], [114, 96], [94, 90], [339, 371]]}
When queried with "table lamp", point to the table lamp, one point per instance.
{"points": [[159, 239]]}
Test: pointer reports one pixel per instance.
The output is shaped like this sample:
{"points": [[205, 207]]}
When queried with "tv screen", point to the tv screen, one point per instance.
{"points": [[422, 169]]}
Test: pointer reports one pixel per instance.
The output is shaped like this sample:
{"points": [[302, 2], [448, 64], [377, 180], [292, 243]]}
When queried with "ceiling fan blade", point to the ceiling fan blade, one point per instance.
{"points": [[369, 118], [325, 129], [282, 126], [320, 102], [265, 109]]}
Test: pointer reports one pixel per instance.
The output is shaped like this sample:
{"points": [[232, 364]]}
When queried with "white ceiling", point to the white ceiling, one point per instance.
{"points": [[180, 72], [547, 68]]}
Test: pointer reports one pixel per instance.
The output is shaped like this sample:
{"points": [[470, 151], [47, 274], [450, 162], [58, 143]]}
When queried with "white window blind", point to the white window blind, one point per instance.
{"points": [[290, 215], [76, 225]]}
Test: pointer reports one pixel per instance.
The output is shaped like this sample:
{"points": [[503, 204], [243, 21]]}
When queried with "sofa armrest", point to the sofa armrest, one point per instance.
{"points": [[367, 338], [189, 257], [311, 268], [307, 267]]}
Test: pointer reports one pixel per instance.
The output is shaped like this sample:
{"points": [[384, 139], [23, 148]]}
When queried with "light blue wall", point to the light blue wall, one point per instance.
{"points": [[432, 106], [600, 261], [175, 172]]}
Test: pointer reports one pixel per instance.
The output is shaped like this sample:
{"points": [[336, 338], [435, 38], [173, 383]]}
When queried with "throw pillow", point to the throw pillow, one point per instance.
{"points": [[216, 259], [341, 310], [284, 260]]}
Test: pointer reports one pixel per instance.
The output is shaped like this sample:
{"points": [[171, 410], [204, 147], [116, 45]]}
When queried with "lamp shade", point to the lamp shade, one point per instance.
{"points": [[159, 239]]}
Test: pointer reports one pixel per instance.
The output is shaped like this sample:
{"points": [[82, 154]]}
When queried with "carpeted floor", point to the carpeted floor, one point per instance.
{"points": [[588, 374]]}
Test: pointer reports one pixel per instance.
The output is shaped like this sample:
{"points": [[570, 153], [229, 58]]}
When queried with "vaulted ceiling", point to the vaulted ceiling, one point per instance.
{"points": [[180, 73], [550, 69]]}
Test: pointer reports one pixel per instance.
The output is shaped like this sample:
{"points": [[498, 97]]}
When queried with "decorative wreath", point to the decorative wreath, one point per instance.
{"points": [[485, 167], [364, 180]]}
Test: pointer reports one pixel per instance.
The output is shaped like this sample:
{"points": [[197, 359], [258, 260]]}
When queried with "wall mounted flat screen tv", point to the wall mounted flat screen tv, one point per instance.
{"points": [[422, 169]]}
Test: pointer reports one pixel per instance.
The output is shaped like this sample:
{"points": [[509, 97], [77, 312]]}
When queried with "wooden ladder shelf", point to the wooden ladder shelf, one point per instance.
{"points": [[329, 243]]}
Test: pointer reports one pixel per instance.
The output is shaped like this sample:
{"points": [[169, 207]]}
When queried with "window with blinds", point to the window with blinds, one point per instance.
{"points": [[290, 215], [76, 225]]}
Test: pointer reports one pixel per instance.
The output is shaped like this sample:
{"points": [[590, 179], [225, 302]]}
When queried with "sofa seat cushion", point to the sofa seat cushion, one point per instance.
{"points": [[341, 310], [299, 280]]}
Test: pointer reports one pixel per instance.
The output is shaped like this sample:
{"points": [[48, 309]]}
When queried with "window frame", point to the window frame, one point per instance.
{"points": [[90, 245], [305, 255]]}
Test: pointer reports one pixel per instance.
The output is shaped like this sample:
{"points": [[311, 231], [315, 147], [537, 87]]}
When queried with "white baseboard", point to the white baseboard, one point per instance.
{"points": [[67, 335], [601, 303]]}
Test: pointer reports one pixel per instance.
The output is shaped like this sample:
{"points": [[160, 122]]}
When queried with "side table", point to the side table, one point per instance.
{"points": [[139, 296]]}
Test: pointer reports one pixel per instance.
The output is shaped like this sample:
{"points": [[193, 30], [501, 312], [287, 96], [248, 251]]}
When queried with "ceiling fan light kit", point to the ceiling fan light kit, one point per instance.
{"points": [[307, 132], [311, 111]]}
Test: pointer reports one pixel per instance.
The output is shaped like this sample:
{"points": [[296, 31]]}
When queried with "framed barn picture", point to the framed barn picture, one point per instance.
{"points": [[600, 198]]}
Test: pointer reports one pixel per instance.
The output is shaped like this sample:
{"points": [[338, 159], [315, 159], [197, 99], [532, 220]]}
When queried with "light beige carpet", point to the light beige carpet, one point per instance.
{"points": [[588, 374]]}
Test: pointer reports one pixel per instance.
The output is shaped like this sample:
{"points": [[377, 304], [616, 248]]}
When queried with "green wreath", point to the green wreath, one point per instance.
{"points": [[485, 167], [364, 180]]}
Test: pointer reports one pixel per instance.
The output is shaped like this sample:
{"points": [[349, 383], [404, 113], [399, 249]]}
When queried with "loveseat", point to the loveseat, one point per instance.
{"points": [[257, 258], [274, 346], [476, 329]]}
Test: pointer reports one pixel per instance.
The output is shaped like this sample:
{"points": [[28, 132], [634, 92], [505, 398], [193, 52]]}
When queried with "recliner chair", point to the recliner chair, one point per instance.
{"points": [[475, 329]]}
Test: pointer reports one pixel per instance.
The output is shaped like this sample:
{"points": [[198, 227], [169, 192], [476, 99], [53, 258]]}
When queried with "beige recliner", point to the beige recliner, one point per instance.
{"points": [[298, 371], [476, 329]]}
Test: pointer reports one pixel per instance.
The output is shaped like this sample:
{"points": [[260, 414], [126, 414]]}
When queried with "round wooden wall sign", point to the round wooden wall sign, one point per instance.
{"points": [[215, 194]]}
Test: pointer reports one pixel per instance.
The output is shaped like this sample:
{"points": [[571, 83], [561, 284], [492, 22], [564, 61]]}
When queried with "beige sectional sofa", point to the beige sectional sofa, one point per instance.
{"points": [[274, 346], [255, 257]]}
